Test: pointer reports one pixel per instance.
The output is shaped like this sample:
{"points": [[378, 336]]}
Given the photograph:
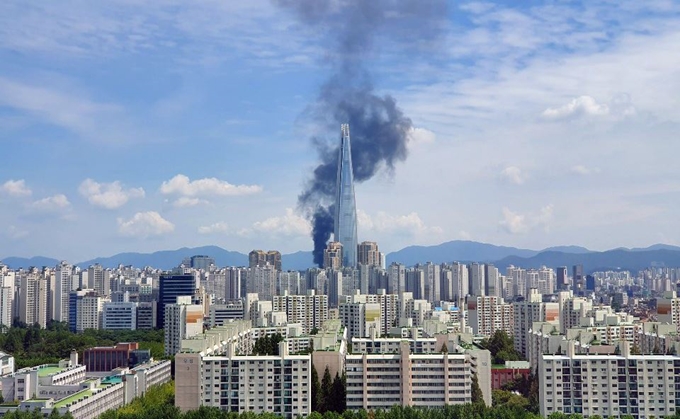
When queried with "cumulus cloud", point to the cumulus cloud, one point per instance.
{"points": [[108, 195], [186, 201], [145, 224], [289, 224], [15, 188], [182, 185], [583, 105], [382, 222], [15, 233], [583, 170], [51, 203], [513, 174], [216, 228], [421, 136], [516, 223]]}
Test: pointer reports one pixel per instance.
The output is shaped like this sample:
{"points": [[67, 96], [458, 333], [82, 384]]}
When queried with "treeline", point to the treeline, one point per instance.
{"points": [[158, 403], [36, 414], [502, 348], [31, 345], [329, 394], [267, 345]]}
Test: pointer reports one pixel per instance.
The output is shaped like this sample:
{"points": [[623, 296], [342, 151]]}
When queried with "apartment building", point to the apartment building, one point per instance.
{"points": [[642, 386], [488, 314], [182, 320], [525, 313], [310, 310], [380, 381], [237, 383]]}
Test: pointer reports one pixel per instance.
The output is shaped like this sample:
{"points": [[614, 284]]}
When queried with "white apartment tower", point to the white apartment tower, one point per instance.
{"points": [[63, 277], [310, 310], [525, 313], [488, 314], [182, 320], [33, 298]]}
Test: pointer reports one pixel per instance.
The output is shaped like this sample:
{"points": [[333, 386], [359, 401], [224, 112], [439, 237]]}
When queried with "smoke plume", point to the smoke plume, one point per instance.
{"points": [[378, 128]]}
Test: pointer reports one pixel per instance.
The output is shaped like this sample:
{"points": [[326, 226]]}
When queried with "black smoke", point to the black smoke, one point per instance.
{"points": [[349, 32]]}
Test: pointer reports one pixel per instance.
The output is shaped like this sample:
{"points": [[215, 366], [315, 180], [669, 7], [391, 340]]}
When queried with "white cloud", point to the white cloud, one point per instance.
{"points": [[108, 195], [16, 188], [216, 228], [290, 224], [185, 201], [583, 170], [513, 223], [464, 235], [513, 174], [583, 105], [516, 223], [421, 136], [54, 203], [15, 233], [182, 185], [145, 224], [382, 222]]}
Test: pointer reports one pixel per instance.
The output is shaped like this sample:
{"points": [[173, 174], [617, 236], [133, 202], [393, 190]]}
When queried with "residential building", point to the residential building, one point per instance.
{"points": [[85, 310], [182, 320], [526, 312], [642, 386], [486, 315], [261, 258], [368, 254], [310, 310]]}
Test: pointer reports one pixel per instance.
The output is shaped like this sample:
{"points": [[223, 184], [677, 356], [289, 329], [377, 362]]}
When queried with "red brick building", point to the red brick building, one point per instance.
{"points": [[107, 358]]}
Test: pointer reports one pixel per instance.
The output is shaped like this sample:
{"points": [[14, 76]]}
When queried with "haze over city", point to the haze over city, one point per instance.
{"points": [[135, 126]]}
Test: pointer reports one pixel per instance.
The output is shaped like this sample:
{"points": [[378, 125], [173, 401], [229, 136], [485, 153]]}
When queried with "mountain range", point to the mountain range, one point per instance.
{"points": [[458, 250]]}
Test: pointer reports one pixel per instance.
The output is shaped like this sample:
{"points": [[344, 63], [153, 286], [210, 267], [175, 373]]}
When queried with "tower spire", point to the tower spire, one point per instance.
{"points": [[345, 230]]}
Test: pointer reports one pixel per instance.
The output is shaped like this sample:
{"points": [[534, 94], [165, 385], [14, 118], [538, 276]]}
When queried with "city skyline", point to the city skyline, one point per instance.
{"points": [[533, 126]]}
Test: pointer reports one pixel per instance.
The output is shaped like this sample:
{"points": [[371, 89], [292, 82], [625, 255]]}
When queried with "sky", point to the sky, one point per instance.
{"points": [[136, 126]]}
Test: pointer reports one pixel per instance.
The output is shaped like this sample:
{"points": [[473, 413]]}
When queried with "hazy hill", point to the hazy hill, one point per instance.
{"points": [[37, 261], [168, 259], [457, 250]]}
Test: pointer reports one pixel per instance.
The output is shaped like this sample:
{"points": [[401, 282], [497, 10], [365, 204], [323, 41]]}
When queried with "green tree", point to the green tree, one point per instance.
{"points": [[315, 390], [326, 399], [477, 395], [338, 394]]}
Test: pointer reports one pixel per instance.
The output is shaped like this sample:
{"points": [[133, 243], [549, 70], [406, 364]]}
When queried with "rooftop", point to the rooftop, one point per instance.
{"points": [[73, 398], [48, 370]]}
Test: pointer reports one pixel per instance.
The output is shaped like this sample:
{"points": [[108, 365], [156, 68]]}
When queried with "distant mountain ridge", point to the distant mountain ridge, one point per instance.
{"points": [[457, 250]]}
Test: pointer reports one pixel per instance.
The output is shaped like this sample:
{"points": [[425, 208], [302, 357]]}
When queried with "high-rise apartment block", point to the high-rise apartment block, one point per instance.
{"points": [[310, 310], [182, 320], [487, 314], [345, 217], [262, 258], [526, 312], [639, 386], [33, 298], [85, 310], [369, 254], [332, 256]]}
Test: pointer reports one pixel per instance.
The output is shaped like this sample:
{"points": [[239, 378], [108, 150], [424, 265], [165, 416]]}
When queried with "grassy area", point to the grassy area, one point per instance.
{"points": [[47, 371], [73, 398]]}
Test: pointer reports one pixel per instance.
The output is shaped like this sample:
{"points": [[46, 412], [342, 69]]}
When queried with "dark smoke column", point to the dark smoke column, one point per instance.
{"points": [[345, 230], [348, 30]]}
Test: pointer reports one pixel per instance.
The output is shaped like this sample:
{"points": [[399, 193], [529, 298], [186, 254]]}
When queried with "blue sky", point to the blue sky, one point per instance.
{"points": [[134, 125]]}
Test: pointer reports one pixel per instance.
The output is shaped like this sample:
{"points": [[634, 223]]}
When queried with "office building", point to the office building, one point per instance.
{"points": [[345, 217], [108, 358], [119, 316], [562, 278], [200, 262], [223, 313], [171, 287], [146, 315]]}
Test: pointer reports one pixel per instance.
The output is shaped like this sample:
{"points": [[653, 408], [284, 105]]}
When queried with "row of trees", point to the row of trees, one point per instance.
{"points": [[328, 395], [31, 345], [158, 403], [501, 347], [267, 345]]}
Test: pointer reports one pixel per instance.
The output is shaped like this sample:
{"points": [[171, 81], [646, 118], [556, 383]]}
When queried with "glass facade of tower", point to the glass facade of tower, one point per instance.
{"points": [[345, 230]]}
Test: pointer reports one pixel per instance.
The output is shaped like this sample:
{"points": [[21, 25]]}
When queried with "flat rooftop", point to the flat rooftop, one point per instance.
{"points": [[51, 370]]}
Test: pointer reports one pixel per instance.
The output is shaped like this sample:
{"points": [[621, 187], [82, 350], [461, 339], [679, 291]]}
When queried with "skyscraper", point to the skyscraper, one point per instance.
{"points": [[345, 230]]}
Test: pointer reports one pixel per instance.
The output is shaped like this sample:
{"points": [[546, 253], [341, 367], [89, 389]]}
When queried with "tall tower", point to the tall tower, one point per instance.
{"points": [[345, 230]]}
